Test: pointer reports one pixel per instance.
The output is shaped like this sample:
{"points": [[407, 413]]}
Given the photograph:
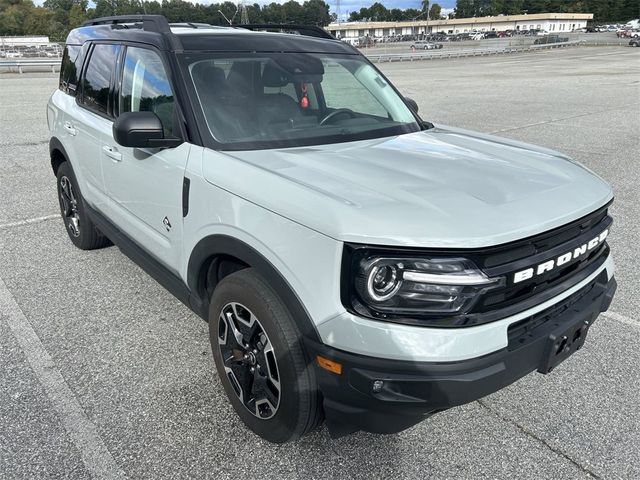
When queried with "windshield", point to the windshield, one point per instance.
{"points": [[269, 100]]}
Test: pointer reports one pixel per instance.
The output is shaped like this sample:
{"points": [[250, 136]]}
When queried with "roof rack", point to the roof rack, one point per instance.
{"points": [[306, 30], [195, 25], [150, 23]]}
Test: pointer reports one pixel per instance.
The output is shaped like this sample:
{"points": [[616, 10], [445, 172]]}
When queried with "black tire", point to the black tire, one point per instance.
{"points": [[299, 407], [81, 230]]}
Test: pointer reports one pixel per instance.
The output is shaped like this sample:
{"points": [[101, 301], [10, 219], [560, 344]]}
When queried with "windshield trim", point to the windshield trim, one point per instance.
{"points": [[209, 141]]}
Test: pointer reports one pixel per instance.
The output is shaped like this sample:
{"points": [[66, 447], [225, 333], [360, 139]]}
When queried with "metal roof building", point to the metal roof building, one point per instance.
{"points": [[24, 41], [553, 22]]}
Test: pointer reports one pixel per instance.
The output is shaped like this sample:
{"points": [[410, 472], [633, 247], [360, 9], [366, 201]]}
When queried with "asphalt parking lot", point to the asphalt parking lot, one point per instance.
{"points": [[103, 374]]}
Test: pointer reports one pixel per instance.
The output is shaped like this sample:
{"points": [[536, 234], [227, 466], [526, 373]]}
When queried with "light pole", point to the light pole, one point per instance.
{"points": [[415, 18]]}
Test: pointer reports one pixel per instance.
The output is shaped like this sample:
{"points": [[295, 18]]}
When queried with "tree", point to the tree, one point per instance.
{"points": [[56, 17], [76, 16], [13, 14], [435, 11], [38, 21], [464, 9]]}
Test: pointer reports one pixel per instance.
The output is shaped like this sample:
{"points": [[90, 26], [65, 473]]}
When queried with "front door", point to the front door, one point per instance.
{"points": [[145, 185]]}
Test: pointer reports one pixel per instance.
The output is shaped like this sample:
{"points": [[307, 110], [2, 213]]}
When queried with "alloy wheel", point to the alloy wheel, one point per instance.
{"points": [[69, 206], [249, 360]]}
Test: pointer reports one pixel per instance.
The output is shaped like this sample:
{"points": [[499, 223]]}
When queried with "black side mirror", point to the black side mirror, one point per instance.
{"points": [[141, 130], [412, 104]]}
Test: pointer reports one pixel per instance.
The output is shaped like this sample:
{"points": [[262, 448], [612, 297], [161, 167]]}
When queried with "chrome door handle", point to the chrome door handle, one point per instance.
{"points": [[70, 129], [112, 153]]}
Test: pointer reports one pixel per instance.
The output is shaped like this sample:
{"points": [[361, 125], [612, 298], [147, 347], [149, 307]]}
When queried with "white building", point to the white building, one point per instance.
{"points": [[552, 22], [31, 41]]}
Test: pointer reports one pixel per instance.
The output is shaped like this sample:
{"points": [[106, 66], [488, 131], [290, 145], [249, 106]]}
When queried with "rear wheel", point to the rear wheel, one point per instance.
{"points": [[82, 232], [260, 359]]}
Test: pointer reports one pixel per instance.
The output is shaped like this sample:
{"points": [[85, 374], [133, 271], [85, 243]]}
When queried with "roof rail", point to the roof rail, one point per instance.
{"points": [[306, 30], [150, 23], [193, 25]]}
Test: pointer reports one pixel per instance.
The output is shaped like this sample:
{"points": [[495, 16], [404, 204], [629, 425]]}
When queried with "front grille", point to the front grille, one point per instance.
{"points": [[543, 242], [528, 253]]}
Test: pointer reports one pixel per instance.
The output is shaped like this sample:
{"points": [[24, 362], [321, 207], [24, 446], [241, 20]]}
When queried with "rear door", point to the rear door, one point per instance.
{"points": [[145, 185]]}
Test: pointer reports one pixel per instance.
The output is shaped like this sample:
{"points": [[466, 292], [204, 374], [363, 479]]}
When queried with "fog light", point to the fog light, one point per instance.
{"points": [[377, 386]]}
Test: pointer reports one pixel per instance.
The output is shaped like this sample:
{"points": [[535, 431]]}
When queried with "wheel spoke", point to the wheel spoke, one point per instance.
{"points": [[236, 335], [249, 360], [272, 367]]}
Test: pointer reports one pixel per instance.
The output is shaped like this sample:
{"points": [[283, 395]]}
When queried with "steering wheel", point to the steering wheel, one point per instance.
{"points": [[337, 112]]}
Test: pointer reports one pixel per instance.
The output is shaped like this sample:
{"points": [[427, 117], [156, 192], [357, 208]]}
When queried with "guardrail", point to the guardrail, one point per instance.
{"points": [[454, 53], [376, 57], [19, 64]]}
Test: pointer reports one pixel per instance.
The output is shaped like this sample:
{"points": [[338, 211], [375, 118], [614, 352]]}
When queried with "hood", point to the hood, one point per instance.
{"points": [[443, 187]]}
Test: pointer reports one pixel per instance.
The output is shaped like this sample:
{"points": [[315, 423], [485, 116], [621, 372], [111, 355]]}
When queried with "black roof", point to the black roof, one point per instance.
{"points": [[155, 30]]}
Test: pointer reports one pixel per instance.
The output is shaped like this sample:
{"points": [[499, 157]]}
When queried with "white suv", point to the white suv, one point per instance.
{"points": [[354, 262]]}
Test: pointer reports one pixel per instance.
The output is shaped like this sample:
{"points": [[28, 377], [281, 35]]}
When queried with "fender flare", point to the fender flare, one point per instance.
{"points": [[55, 144], [214, 245]]}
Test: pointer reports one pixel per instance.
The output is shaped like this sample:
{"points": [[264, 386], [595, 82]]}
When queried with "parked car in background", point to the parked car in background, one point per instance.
{"points": [[352, 41], [13, 54], [550, 39], [635, 42], [424, 45], [541, 33]]}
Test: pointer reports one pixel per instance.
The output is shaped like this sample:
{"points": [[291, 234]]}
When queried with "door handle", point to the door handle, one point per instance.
{"points": [[70, 129], [112, 153]]}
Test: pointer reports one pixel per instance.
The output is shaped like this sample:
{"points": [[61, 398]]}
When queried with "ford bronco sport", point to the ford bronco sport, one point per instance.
{"points": [[355, 263]]}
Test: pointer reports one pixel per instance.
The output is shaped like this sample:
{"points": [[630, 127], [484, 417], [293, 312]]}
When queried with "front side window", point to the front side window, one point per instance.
{"points": [[271, 100], [145, 86], [97, 77]]}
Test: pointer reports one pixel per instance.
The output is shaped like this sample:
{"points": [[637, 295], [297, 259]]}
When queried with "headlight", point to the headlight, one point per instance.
{"points": [[415, 287]]}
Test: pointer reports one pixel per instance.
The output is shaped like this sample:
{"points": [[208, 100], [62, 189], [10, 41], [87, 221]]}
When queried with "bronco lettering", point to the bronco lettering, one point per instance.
{"points": [[549, 265]]}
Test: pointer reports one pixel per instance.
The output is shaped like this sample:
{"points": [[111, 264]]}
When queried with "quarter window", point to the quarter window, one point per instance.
{"points": [[69, 70], [97, 78], [146, 87]]}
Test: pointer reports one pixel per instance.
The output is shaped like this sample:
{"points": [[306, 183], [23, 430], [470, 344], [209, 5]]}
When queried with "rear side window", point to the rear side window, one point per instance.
{"points": [[69, 69], [146, 88], [97, 77]]}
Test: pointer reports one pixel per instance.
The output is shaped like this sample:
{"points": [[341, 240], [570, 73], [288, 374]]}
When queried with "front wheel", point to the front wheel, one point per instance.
{"points": [[260, 359]]}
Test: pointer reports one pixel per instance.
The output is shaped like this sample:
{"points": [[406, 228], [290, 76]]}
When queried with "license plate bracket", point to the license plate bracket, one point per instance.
{"points": [[564, 341]]}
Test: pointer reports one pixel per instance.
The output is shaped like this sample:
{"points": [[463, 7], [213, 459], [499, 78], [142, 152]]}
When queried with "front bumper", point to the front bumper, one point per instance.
{"points": [[387, 396]]}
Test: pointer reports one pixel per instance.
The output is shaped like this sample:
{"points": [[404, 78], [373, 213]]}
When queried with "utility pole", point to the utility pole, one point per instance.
{"points": [[244, 13]]}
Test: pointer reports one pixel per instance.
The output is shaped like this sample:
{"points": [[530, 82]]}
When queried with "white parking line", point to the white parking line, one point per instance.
{"points": [[622, 319], [82, 431], [30, 220]]}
